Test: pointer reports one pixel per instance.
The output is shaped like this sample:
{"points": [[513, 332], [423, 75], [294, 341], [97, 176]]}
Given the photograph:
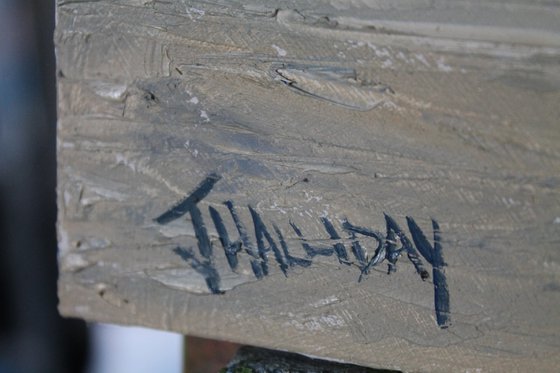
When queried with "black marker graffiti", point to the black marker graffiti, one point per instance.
{"points": [[390, 246]]}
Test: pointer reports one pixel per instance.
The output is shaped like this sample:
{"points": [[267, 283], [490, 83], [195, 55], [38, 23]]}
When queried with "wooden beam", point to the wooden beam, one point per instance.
{"points": [[371, 182]]}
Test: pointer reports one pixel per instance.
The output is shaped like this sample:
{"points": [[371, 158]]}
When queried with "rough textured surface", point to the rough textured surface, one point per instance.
{"points": [[260, 360], [315, 120]]}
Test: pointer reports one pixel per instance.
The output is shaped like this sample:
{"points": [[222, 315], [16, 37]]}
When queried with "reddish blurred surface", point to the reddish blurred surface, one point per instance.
{"points": [[207, 355]]}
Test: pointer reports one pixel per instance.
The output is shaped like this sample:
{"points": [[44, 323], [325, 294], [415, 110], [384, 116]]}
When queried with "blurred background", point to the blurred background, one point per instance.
{"points": [[33, 337]]}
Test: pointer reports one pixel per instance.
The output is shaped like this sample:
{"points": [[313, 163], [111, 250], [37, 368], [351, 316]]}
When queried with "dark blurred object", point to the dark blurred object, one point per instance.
{"points": [[33, 337], [206, 355], [261, 360]]}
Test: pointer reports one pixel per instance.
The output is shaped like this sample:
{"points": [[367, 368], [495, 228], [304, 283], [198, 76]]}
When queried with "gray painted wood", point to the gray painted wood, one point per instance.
{"points": [[305, 115]]}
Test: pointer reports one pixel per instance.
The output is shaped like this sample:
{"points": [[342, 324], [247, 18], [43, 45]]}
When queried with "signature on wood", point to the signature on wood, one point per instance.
{"points": [[390, 246]]}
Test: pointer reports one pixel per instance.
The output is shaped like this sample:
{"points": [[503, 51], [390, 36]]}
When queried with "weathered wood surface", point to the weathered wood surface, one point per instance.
{"points": [[317, 120]]}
